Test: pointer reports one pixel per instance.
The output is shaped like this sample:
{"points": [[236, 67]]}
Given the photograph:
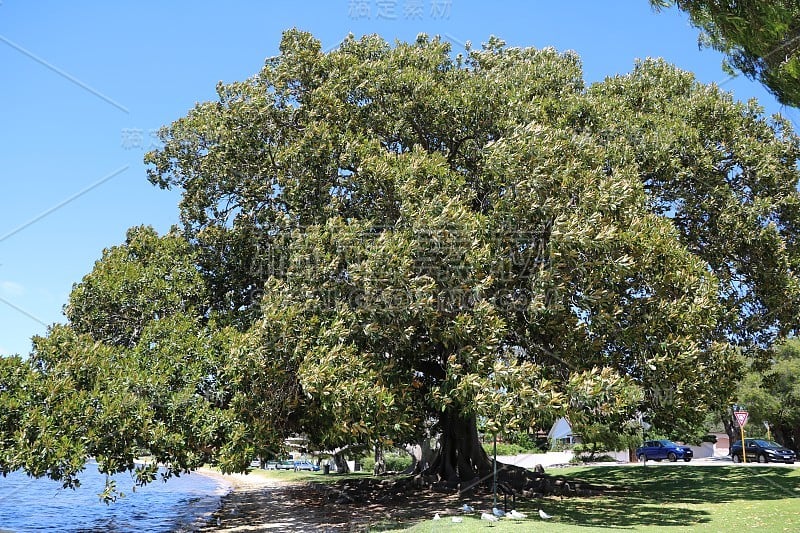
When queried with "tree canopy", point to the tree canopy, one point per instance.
{"points": [[760, 39], [772, 395], [380, 236]]}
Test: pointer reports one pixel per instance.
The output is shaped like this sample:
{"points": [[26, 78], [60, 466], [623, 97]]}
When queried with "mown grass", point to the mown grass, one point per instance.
{"points": [[654, 498]]}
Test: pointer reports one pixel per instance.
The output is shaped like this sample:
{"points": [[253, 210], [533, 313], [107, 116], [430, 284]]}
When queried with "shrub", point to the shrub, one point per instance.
{"points": [[396, 461], [587, 458], [505, 448]]}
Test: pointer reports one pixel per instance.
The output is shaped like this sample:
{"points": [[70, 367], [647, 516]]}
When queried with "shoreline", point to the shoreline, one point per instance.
{"points": [[251, 502], [256, 503], [240, 481]]}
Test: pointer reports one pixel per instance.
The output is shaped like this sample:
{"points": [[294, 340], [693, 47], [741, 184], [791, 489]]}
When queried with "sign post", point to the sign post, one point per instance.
{"points": [[741, 417]]}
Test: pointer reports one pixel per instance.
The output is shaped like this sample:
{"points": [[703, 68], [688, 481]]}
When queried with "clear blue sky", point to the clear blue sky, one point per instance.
{"points": [[84, 85]]}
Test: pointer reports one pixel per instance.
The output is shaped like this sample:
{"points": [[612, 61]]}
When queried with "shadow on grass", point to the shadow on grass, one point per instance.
{"points": [[699, 484], [659, 496]]}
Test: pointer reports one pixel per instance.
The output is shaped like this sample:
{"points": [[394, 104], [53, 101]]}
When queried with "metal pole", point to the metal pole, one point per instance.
{"points": [[744, 451], [494, 487]]}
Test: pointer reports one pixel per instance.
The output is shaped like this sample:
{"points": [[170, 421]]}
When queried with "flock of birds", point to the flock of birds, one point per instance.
{"points": [[495, 515]]}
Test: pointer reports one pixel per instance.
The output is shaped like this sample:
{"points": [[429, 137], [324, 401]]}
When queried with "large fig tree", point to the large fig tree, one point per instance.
{"points": [[384, 237], [483, 237]]}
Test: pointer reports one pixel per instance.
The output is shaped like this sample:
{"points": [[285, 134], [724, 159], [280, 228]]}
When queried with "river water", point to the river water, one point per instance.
{"points": [[181, 504]]}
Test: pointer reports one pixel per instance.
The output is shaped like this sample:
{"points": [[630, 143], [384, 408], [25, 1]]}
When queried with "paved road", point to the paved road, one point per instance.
{"points": [[550, 460]]}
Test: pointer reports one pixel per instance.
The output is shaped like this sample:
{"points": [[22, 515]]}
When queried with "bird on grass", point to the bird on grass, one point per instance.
{"points": [[466, 508], [544, 515], [437, 517], [517, 515], [457, 519], [498, 512], [489, 517]]}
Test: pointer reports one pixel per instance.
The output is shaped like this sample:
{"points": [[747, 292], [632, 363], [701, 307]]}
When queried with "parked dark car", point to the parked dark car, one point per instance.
{"points": [[763, 451], [656, 450]]}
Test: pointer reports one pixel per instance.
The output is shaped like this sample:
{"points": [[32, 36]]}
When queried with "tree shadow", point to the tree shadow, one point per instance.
{"points": [[634, 497], [658, 495], [697, 484]]}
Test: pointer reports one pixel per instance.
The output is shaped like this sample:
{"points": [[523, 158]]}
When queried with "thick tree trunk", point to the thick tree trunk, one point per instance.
{"points": [[462, 461], [731, 429], [380, 464], [422, 455], [341, 463], [787, 435]]}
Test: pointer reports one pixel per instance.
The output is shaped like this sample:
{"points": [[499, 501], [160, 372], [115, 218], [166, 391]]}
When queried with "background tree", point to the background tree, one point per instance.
{"points": [[602, 436], [760, 39], [773, 395]]}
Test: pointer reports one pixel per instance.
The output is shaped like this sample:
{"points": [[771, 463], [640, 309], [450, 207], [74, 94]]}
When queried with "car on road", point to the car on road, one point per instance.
{"points": [[285, 465], [657, 450], [763, 451], [306, 465]]}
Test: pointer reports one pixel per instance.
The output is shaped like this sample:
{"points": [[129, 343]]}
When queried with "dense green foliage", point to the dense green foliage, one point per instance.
{"points": [[772, 395], [760, 38], [396, 461], [597, 438], [146, 279], [376, 236]]}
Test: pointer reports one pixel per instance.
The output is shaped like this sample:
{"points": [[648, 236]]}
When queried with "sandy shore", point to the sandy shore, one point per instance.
{"points": [[256, 503], [241, 481]]}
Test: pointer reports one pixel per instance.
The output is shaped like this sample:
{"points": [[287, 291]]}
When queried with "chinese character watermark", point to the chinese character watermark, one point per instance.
{"points": [[359, 9], [440, 9], [139, 139], [396, 9]]}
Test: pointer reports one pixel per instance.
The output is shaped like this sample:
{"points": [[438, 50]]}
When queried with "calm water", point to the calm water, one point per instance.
{"points": [[181, 504]]}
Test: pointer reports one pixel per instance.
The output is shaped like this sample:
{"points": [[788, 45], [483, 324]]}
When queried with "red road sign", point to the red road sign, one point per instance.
{"points": [[741, 417]]}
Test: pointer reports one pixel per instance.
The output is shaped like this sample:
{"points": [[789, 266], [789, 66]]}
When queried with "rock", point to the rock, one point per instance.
{"points": [[344, 499], [441, 486]]}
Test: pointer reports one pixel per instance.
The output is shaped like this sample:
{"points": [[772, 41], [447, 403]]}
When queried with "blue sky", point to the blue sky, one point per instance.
{"points": [[85, 84]]}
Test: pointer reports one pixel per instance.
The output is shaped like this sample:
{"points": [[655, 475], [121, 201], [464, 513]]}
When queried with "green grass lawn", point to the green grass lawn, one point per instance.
{"points": [[656, 498]]}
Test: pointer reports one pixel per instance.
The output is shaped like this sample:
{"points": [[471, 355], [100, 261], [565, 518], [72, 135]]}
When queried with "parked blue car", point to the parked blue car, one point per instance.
{"points": [[306, 465], [656, 450]]}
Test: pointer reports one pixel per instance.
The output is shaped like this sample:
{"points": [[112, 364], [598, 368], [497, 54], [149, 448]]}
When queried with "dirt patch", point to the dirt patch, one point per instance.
{"points": [[317, 507], [354, 505]]}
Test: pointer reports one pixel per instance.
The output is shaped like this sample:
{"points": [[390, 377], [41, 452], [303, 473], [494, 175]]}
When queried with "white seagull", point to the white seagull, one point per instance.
{"points": [[437, 517], [489, 517], [467, 508], [498, 512], [516, 514], [457, 519], [544, 515]]}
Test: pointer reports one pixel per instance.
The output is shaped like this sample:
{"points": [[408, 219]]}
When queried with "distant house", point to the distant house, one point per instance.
{"points": [[561, 433], [723, 443]]}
